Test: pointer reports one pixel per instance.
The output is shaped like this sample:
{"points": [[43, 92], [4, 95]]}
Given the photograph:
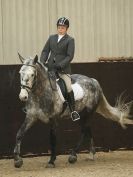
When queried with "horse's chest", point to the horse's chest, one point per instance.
{"points": [[46, 104]]}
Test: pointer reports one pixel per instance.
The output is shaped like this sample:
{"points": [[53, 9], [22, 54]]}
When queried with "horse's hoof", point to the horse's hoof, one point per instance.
{"points": [[72, 159], [18, 163], [91, 157], [50, 165]]}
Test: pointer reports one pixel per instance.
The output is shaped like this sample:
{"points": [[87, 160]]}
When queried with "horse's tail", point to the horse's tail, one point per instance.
{"points": [[119, 113]]}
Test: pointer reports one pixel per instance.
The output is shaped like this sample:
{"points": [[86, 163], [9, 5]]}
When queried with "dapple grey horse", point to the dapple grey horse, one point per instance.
{"points": [[46, 105]]}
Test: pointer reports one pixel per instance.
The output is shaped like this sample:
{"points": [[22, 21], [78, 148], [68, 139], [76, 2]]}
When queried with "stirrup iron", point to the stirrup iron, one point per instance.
{"points": [[72, 116]]}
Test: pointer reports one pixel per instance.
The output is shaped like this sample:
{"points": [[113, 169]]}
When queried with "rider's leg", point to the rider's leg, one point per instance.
{"points": [[71, 100]]}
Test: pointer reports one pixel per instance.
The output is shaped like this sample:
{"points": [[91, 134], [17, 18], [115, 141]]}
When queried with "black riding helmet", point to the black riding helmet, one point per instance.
{"points": [[63, 22]]}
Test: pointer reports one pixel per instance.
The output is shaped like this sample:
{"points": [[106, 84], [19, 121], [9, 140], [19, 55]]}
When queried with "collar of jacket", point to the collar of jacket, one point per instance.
{"points": [[64, 37]]}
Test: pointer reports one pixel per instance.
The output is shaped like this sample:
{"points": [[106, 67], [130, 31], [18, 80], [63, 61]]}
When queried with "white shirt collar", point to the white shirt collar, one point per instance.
{"points": [[60, 36]]}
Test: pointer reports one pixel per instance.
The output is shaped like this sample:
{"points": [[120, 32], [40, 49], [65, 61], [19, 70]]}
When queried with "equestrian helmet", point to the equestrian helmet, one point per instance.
{"points": [[63, 22]]}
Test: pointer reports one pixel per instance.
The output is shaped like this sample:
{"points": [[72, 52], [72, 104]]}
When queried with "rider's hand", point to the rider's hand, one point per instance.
{"points": [[57, 67]]}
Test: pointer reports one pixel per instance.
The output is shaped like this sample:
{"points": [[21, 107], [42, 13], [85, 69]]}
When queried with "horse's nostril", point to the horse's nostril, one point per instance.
{"points": [[27, 80], [25, 97]]}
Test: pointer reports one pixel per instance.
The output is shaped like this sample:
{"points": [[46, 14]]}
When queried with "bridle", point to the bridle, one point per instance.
{"points": [[27, 88]]}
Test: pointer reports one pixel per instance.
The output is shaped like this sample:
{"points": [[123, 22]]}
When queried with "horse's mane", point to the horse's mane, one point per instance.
{"points": [[42, 78]]}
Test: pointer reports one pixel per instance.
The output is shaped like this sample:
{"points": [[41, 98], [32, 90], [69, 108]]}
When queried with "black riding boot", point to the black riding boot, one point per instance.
{"points": [[74, 114]]}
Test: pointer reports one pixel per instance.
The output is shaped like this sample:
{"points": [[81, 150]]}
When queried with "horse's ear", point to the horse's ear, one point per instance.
{"points": [[21, 58], [36, 59]]}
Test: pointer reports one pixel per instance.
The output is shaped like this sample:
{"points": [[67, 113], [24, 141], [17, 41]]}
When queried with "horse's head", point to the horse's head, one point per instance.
{"points": [[28, 74]]}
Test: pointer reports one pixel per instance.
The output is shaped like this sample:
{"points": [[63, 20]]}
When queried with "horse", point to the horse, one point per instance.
{"points": [[45, 104]]}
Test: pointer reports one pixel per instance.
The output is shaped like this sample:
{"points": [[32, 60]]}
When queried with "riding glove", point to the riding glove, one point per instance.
{"points": [[57, 67]]}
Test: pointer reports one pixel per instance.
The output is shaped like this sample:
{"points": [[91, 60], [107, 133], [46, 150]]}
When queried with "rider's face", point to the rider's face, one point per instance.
{"points": [[62, 30]]}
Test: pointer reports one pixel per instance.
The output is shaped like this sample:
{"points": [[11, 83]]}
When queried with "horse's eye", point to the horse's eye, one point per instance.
{"points": [[32, 75]]}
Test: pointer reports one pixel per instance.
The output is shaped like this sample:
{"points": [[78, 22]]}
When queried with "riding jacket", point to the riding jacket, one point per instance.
{"points": [[60, 53]]}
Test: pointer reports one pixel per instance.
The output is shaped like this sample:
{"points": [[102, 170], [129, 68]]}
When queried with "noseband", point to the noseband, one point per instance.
{"points": [[27, 88]]}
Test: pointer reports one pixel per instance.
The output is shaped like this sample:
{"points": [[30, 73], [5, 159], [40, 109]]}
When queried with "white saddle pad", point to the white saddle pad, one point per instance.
{"points": [[77, 89]]}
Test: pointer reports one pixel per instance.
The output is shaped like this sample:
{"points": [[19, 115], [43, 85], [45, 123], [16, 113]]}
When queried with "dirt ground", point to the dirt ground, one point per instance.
{"points": [[112, 164]]}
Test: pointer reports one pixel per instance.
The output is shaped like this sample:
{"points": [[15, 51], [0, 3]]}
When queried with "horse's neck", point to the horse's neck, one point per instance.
{"points": [[42, 82]]}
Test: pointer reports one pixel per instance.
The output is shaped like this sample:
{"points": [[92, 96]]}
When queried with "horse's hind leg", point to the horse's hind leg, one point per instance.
{"points": [[53, 146], [20, 134], [86, 136], [91, 145], [73, 156]]}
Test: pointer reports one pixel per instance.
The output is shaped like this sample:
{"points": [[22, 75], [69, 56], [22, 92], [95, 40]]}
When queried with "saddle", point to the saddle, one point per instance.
{"points": [[59, 85]]}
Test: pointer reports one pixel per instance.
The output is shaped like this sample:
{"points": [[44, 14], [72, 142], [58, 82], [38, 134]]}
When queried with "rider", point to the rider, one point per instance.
{"points": [[58, 52]]}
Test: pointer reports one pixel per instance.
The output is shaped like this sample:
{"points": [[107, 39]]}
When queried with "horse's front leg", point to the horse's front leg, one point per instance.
{"points": [[20, 134], [51, 163]]}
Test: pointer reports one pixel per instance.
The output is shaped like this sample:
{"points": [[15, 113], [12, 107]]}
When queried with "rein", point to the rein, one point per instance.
{"points": [[27, 87], [51, 76]]}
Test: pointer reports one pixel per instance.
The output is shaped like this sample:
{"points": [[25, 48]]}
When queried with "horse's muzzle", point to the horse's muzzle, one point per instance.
{"points": [[23, 95]]}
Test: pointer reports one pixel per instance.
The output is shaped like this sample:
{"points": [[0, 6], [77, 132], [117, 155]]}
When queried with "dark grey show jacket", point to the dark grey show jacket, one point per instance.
{"points": [[61, 52]]}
